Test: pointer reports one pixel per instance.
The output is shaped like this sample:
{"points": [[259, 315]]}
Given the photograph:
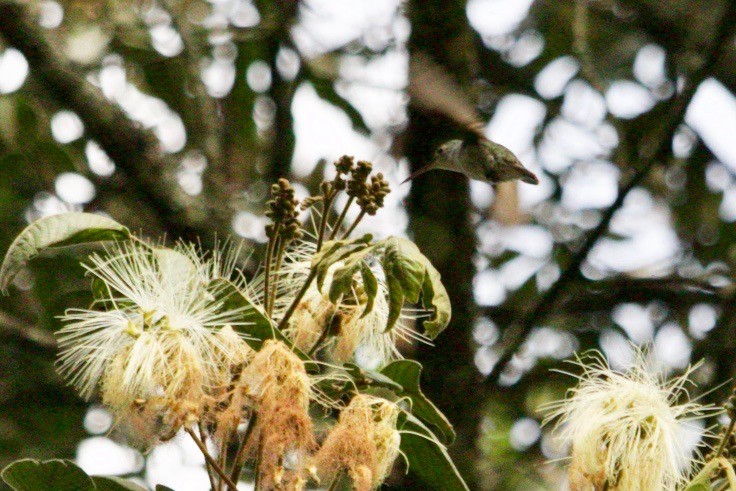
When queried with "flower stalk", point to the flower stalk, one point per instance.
{"points": [[211, 460]]}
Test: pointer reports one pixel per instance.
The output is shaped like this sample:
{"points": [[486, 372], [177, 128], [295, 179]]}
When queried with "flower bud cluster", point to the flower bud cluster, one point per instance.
{"points": [[369, 195], [283, 210]]}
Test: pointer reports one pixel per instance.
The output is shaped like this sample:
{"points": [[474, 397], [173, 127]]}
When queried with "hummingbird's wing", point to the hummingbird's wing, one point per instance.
{"points": [[432, 89]]}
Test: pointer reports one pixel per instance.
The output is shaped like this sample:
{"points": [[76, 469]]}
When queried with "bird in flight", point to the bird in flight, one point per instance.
{"points": [[434, 90]]}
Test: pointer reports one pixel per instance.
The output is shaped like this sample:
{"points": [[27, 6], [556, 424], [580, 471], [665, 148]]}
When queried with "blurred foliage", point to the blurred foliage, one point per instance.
{"points": [[241, 125]]}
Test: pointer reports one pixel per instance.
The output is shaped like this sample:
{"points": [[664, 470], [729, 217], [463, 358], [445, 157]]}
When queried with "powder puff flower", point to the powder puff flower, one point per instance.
{"points": [[627, 430], [365, 443], [283, 435], [151, 338]]}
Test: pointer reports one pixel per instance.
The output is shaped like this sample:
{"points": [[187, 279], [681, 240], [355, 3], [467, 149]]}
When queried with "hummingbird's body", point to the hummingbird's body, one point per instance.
{"points": [[433, 89], [482, 160]]}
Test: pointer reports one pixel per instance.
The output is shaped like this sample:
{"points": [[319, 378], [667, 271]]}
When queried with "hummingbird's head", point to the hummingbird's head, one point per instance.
{"points": [[447, 152]]}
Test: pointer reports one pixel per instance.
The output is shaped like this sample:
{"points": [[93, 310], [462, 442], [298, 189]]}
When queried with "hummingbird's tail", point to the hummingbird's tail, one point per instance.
{"points": [[418, 173], [529, 176]]}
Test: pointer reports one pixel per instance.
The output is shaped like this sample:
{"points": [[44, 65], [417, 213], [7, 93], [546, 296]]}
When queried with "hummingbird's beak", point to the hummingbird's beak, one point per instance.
{"points": [[418, 173]]}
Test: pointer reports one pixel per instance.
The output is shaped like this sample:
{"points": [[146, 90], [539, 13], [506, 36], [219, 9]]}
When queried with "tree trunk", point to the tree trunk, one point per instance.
{"points": [[439, 206]]}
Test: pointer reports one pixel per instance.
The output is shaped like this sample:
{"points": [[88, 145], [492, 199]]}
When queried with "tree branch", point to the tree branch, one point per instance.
{"points": [[653, 149], [599, 296], [13, 327], [135, 150]]}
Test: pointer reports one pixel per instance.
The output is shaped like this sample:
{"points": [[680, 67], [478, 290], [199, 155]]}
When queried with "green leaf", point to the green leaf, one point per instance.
{"points": [[428, 458], [57, 231], [258, 327], [364, 381], [370, 286], [342, 279], [367, 378], [112, 483], [334, 251], [395, 301], [702, 481], [408, 274], [57, 475], [407, 374], [161, 487], [411, 277], [434, 293], [403, 260]]}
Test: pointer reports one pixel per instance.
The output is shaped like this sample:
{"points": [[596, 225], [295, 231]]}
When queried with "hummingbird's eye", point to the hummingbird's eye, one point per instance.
{"points": [[441, 150]]}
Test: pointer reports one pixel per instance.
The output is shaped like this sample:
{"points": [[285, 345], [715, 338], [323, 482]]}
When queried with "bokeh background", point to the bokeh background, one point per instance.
{"points": [[174, 116]]}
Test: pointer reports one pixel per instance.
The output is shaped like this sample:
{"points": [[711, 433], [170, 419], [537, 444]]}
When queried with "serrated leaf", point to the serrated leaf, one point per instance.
{"points": [[35, 475], [57, 231], [113, 483], [407, 374], [428, 458]]}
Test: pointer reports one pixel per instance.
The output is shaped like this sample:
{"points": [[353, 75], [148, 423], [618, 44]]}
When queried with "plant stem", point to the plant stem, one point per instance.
{"points": [[257, 483], [279, 260], [325, 332], [297, 299], [355, 224], [207, 464], [267, 278], [239, 461], [337, 480], [726, 436], [325, 215], [223, 463], [341, 218], [208, 458]]}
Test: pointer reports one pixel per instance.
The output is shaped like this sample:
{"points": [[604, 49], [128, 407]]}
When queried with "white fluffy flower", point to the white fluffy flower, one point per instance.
{"points": [[627, 430], [353, 336], [154, 319]]}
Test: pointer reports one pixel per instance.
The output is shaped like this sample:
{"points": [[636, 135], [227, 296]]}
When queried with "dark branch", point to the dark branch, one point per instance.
{"points": [[16, 329], [134, 150], [598, 296]]}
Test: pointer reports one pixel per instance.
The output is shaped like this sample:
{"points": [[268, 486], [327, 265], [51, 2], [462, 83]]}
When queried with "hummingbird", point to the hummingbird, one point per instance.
{"points": [[434, 90], [482, 160]]}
